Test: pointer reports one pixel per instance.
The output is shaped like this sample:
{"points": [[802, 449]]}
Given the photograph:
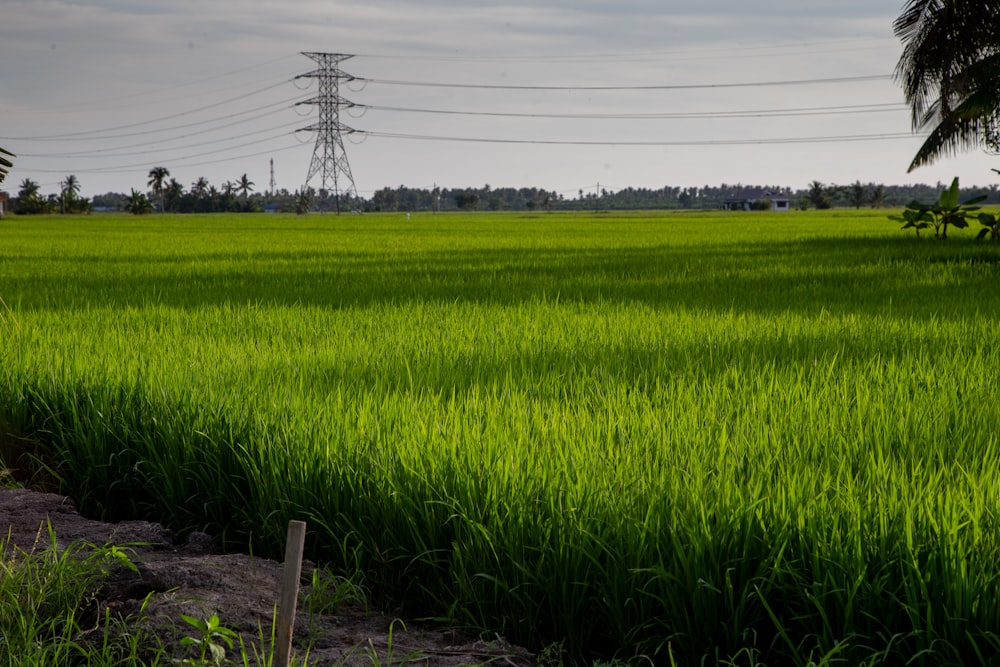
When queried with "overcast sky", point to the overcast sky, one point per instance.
{"points": [[559, 94]]}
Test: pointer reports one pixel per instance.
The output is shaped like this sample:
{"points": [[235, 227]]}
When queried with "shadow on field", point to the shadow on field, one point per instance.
{"points": [[914, 278]]}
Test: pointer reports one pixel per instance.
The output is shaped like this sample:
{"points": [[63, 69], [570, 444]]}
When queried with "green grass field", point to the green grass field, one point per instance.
{"points": [[736, 438]]}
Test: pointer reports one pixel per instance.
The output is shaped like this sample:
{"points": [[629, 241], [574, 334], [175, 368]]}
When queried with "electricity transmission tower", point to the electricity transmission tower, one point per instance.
{"points": [[329, 159]]}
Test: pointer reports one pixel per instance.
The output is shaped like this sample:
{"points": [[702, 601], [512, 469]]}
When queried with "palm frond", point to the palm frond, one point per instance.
{"points": [[5, 164], [915, 13], [949, 71], [968, 126]]}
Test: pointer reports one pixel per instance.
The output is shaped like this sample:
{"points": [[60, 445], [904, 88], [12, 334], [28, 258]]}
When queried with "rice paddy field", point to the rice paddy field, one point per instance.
{"points": [[706, 438]]}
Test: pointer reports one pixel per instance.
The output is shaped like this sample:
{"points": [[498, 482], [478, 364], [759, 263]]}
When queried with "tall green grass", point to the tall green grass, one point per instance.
{"points": [[757, 439], [49, 614]]}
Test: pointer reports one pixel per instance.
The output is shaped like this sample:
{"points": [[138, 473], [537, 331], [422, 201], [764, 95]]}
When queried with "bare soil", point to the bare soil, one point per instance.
{"points": [[190, 578]]}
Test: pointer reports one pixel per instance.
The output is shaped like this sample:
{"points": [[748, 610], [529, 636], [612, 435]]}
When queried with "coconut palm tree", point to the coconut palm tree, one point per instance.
{"points": [[950, 74], [71, 185], [228, 200], [158, 181], [29, 188], [199, 191], [213, 193], [29, 199], [200, 187], [877, 197], [172, 193], [303, 200], [245, 186], [67, 193], [819, 195]]}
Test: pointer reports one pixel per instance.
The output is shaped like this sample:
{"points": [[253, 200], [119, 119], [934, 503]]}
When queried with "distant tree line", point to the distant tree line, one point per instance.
{"points": [[816, 195], [203, 197], [168, 195]]}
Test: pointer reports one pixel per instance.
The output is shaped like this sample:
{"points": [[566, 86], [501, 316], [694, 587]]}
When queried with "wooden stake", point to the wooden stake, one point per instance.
{"points": [[290, 574]]}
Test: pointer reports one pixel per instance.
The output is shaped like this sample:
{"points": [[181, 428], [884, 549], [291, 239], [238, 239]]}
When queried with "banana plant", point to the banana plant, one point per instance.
{"points": [[991, 227], [139, 204], [949, 212], [944, 212], [917, 216]]}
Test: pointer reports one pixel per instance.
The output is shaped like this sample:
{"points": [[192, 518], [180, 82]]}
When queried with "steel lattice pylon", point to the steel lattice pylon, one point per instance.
{"points": [[329, 158]]}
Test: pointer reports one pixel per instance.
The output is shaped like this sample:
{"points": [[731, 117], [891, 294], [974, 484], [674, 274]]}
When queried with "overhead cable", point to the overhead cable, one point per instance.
{"points": [[227, 119], [695, 142], [728, 51], [178, 162], [684, 86], [146, 148], [152, 120], [753, 113]]}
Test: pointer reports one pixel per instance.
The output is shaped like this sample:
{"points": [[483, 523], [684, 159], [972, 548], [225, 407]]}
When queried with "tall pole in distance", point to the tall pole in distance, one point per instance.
{"points": [[329, 159]]}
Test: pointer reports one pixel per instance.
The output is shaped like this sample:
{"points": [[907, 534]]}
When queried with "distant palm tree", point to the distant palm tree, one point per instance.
{"points": [[201, 191], [877, 198], [857, 194], [950, 73], [67, 194], [303, 201], [28, 198], [245, 186], [819, 195], [157, 181], [200, 187], [71, 184], [29, 188], [172, 193]]}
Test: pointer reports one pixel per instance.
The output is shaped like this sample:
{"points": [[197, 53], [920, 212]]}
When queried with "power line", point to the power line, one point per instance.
{"points": [[152, 120], [124, 169], [688, 86], [103, 102], [216, 151], [227, 119], [108, 152], [697, 142], [728, 51], [756, 113]]}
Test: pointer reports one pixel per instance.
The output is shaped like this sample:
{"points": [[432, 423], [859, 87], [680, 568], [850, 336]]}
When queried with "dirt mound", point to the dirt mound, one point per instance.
{"points": [[189, 578]]}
